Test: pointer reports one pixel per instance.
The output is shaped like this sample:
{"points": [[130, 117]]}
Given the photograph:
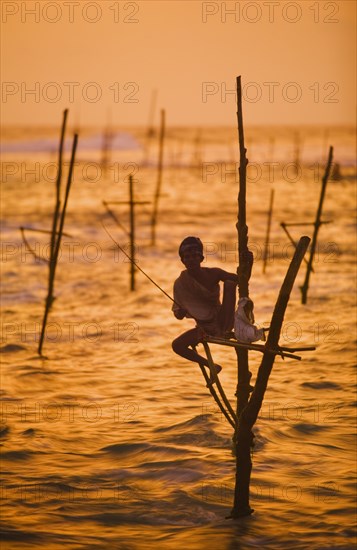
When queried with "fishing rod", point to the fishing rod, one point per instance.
{"points": [[138, 267]]}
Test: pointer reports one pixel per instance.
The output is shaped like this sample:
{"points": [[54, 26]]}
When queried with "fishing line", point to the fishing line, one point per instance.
{"points": [[138, 267]]}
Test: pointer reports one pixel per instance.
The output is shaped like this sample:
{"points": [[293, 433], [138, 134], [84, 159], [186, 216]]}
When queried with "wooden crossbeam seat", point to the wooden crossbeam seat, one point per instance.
{"points": [[283, 351]]}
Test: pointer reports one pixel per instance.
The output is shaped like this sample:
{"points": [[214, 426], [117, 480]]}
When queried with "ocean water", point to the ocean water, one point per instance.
{"points": [[113, 441]]}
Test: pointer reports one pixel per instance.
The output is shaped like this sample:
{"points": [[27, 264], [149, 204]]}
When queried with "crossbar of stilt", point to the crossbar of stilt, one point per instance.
{"points": [[254, 347], [292, 224]]}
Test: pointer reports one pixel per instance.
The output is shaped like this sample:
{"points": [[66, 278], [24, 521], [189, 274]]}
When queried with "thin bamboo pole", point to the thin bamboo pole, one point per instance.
{"points": [[271, 148], [267, 236], [132, 233], [47, 231], [68, 187], [159, 179], [197, 151], [292, 224], [317, 224], [150, 132], [214, 394], [283, 225], [297, 146], [106, 144], [58, 201], [29, 247], [115, 218], [216, 398], [57, 244], [218, 384], [241, 505]]}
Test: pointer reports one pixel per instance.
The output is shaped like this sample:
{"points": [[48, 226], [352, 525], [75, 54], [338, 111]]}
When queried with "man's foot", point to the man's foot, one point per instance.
{"points": [[213, 375]]}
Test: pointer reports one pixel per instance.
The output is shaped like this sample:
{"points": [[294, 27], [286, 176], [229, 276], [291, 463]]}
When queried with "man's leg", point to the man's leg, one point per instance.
{"points": [[226, 313], [181, 346]]}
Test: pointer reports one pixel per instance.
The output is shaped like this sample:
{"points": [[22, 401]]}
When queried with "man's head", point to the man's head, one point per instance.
{"points": [[191, 251]]}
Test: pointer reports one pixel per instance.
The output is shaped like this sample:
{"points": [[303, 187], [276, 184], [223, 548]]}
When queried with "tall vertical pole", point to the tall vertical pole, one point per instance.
{"points": [[132, 233], [244, 434], [297, 145], [106, 144], [57, 245], [317, 224], [267, 236], [58, 198], [245, 257], [159, 179], [244, 272]]}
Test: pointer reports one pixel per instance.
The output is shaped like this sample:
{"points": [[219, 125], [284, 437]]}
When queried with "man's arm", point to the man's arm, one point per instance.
{"points": [[180, 313], [223, 275]]}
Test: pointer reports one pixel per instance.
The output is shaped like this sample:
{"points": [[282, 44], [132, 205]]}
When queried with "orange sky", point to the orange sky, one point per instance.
{"points": [[297, 61]]}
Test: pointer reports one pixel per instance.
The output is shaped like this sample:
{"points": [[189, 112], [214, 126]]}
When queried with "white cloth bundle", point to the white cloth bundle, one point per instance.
{"points": [[244, 328]]}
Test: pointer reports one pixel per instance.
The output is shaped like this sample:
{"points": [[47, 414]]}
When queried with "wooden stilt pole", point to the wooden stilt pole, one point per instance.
{"points": [[245, 257], [159, 179], [317, 224], [132, 233], [197, 151], [56, 247], [150, 132], [218, 384], [271, 148], [283, 225], [249, 415], [267, 236], [58, 200], [244, 272], [106, 144], [216, 398], [296, 153]]}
